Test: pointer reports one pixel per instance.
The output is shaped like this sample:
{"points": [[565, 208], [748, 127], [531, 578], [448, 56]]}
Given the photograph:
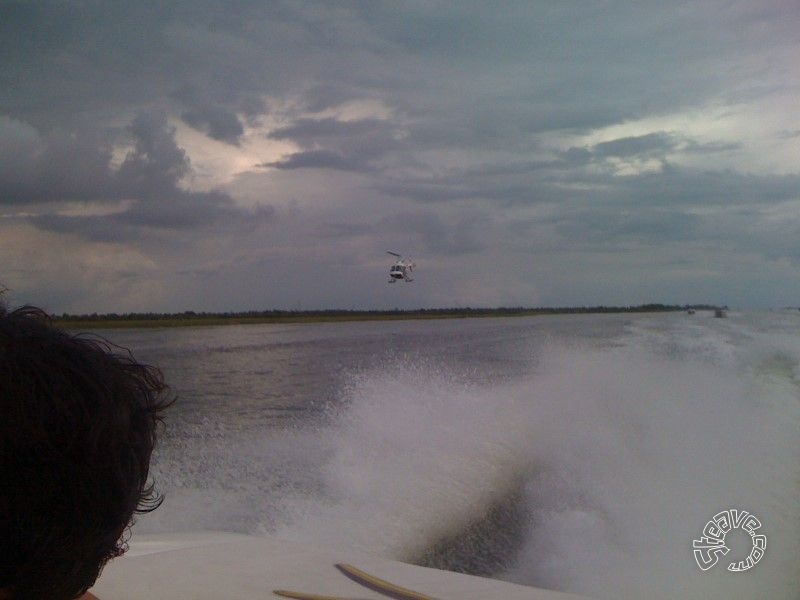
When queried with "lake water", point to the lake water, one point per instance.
{"points": [[582, 453]]}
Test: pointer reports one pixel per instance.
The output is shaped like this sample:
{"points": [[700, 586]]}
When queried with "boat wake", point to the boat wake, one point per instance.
{"points": [[592, 473]]}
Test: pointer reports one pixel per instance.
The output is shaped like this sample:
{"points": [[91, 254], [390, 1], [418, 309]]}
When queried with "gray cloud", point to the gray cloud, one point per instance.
{"points": [[676, 186], [77, 166], [307, 131], [638, 145], [436, 236], [218, 123], [334, 144], [316, 159], [607, 229], [71, 168], [185, 214], [62, 166], [156, 164]]}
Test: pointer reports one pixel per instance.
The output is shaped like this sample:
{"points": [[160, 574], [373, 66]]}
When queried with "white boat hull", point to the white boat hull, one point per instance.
{"points": [[212, 565]]}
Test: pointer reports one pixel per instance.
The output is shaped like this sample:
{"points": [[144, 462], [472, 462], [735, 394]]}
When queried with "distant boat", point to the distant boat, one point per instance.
{"points": [[719, 313], [690, 311]]}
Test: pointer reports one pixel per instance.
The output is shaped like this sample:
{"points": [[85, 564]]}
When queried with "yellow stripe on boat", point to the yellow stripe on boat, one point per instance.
{"points": [[379, 585], [304, 596]]}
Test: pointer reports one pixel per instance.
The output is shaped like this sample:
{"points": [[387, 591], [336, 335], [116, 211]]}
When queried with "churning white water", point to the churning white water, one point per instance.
{"points": [[583, 454]]}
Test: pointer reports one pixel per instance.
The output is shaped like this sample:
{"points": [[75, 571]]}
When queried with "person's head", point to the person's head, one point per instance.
{"points": [[77, 427]]}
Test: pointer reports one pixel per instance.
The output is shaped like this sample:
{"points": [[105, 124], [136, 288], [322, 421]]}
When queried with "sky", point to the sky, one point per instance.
{"points": [[254, 155]]}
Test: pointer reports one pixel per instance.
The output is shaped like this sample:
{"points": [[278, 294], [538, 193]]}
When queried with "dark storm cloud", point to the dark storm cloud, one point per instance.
{"points": [[64, 61], [317, 159], [430, 233], [218, 123], [437, 236], [676, 186], [307, 131], [546, 66], [77, 166], [193, 211], [461, 187], [508, 124], [71, 168], [329, 94], [674, 209], [606, 228], [602, 206], [58, 64], [184, 214], [656, 144], [695, 147], [419, 59], [537, 62], [63, 166], [156, 164], [638, 145], [334, 144]]}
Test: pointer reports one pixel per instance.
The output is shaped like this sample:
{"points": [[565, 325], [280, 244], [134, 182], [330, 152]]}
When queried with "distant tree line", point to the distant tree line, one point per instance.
{"points": [[278, 315]]}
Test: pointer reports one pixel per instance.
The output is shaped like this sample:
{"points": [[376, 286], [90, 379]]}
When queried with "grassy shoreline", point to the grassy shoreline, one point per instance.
{"points": [[193, 319]]}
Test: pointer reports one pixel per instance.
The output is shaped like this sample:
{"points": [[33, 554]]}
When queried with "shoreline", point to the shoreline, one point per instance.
{"points": [[203, 319]]}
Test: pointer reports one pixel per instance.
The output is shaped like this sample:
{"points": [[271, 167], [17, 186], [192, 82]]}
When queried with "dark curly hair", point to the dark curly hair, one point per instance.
{"points": [[78, 419]]}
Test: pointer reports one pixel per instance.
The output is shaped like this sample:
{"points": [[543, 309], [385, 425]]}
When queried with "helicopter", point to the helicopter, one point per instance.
{"points": [[401, 269]]}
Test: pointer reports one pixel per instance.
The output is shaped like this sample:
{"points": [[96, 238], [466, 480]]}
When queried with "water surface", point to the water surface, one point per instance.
{"points": [[577, 452]]}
